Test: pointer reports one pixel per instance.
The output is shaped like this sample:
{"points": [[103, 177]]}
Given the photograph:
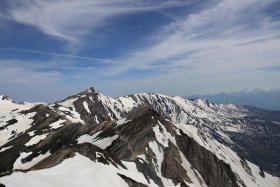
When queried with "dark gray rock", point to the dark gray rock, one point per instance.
{"points": [[171, 167], [215, 172]]}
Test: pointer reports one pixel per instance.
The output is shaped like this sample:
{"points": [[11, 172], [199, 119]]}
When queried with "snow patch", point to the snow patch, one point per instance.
{"points": [[32, 133], [57, 124], [68, 106], [102, 143], [128, 102], [86, 138], [5, 148], [122, 121], [65, 174], [86, 107], [20, 165], [36, 139], [23, 123], [96, 120]]}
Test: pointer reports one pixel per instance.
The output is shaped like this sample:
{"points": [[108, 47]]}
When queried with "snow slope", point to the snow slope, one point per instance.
{"points": [[121, 127], [13, 121], [76, 171]]}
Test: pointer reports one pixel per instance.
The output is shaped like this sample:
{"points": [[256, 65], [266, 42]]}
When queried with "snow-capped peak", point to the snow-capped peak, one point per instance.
{"points": [[90, 90], [140, 130]]}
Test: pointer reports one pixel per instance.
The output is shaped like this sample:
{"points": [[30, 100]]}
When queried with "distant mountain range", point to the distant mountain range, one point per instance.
{"points": [[261, 98], [139, 140]]}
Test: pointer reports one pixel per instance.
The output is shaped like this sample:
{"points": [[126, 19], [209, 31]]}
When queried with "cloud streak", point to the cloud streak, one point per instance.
{"points": [[63, 55], [72, 21], [16, 72], [204, 49], [222, 46], [210, 37]]}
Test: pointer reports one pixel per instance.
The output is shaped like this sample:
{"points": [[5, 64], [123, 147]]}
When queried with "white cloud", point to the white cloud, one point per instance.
{"points": [[12, 75], [72, 20], [216, 49], [20, 72], [60, 55], [220, 27]]}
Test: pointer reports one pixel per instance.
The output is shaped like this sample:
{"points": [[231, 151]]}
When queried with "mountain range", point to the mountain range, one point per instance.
{"points": [[261, 98], [139, 140]]}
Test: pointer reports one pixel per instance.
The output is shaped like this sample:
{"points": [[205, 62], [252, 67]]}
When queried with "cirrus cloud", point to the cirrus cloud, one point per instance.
{"points": [[72, 21]]}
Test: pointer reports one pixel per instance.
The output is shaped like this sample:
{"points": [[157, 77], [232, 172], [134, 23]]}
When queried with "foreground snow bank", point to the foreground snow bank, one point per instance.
{"points": [[73, 172]]}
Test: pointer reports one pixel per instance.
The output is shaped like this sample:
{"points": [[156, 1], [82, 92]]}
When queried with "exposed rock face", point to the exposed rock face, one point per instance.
{"points": [[143, 140], [55, 138], [134, 135], [56, 158], [171, 165], [92, 106], [252, 132], [259, 143], [8, 158], [149, 171], [214, 171], [10, 122]]}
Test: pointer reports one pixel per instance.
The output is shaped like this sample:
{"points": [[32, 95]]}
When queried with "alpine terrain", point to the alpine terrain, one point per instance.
{"points": [[261, 98], [139, 140]]}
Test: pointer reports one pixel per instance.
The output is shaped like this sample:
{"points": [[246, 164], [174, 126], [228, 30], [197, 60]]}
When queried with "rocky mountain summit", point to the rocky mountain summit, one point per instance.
{"points": [[90, 139]]}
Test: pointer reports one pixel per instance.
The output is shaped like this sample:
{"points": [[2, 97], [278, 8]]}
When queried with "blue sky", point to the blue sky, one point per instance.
{"points": [[51, 49]]}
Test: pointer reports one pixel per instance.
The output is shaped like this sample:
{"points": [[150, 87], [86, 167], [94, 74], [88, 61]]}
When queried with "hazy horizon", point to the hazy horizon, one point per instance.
{"points": [[192, 96]]}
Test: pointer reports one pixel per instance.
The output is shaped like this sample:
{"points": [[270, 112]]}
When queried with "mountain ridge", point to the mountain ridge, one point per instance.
{"points": [[140, 132], [260, 98]]}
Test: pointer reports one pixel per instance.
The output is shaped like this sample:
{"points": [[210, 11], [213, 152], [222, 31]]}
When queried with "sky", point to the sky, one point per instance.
{"points": [[50, 49]]}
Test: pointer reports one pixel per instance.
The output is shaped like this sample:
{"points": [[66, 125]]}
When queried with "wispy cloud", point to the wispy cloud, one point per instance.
{"points": [[222, 46], [16, 72], [63, 55], [72, 21], [204, 49], [211, 36]]}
